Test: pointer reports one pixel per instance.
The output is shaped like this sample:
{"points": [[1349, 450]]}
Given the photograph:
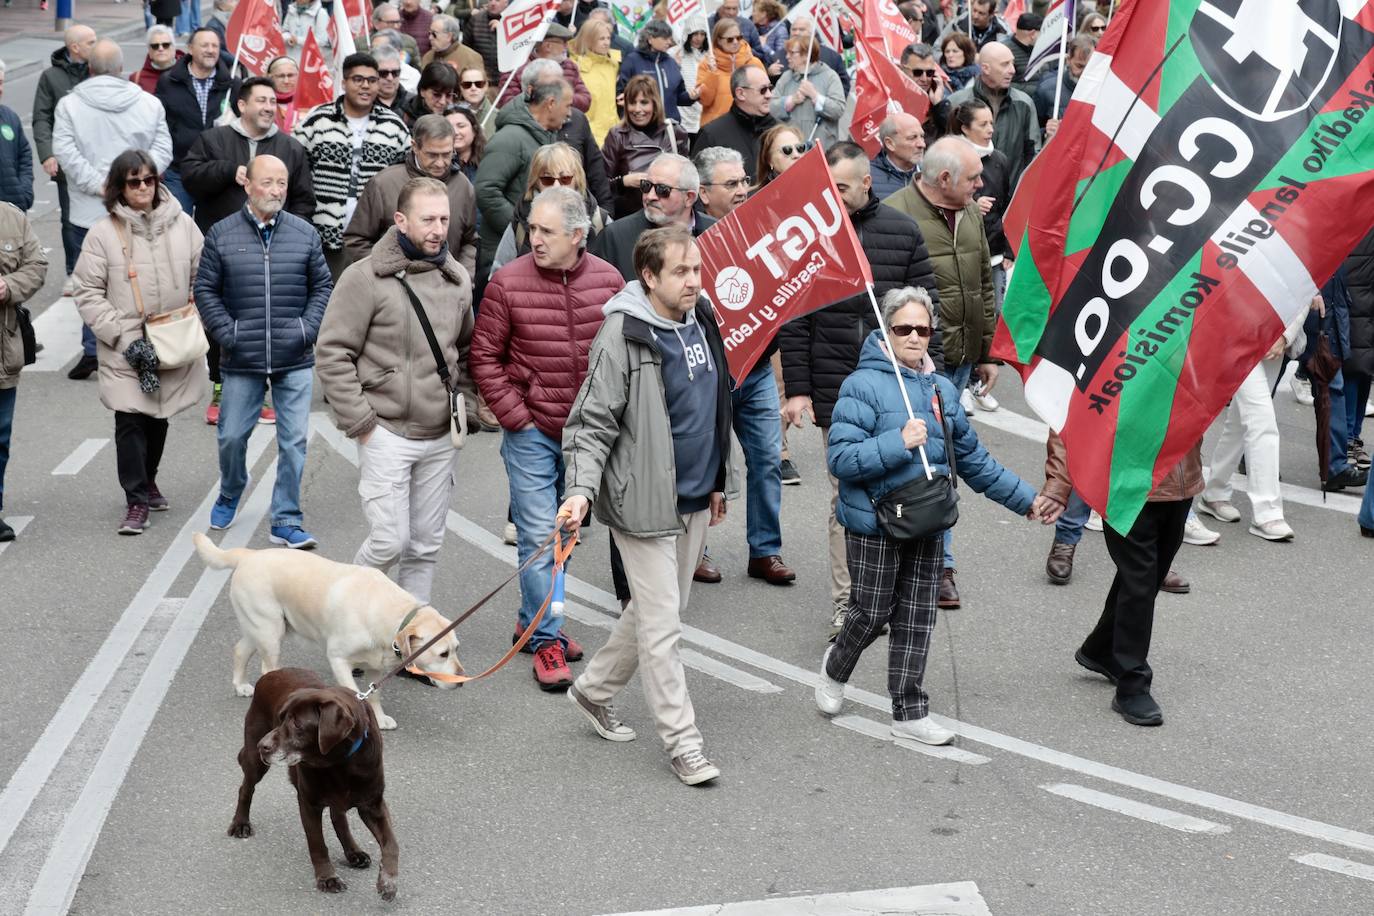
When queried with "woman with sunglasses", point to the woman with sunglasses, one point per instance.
{"points": [[162, 56], [729, 52], [809, 96], [960, 60], [692, 57], [472, 92], [438, 85], [599, 65], [1092, 24], [874, 449], [637, 141], [552, 165], [284, 74], [779, 147], [146, 229]]}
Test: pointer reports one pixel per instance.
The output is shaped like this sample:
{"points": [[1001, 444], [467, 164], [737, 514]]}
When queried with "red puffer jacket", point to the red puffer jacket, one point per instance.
{"points": [[534, 329]]}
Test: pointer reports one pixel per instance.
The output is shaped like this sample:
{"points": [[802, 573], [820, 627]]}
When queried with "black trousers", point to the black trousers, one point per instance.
{"points": [[1121, 639], [139, 440]]}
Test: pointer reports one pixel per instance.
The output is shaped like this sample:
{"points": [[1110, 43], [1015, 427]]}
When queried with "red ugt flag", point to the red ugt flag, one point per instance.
{"points": [[254, 34], [788, 250], [886, 27], [881, 88], [316, 85]]}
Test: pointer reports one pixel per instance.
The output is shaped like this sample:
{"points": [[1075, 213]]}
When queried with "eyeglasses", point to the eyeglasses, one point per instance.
{"points": [[391, 23], [147, 181], [363, 80], [389, 74], [660, 189], [473, 84], [788, 148], [159, 45], [906, 330], [434, 34], [733, 184], [549, 181], [921, 71]]}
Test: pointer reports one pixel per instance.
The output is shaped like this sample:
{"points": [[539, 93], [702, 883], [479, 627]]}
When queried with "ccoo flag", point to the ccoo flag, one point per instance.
{"points": [[1196, 196], [254, 33], [788, 250]]}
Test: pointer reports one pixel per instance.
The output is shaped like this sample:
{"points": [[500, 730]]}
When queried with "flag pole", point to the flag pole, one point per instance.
{"points": [[234, 68], [901, 385], [504, 87], [1063, 56]]}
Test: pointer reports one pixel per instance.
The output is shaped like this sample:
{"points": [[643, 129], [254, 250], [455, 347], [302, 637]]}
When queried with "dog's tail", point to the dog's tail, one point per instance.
{"points": [[215, 558]]}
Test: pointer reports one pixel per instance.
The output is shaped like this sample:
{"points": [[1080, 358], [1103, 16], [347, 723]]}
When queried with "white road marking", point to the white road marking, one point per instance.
{"points": [[1161, 816], [18, 523], [79, 457], [1339, 866], [32, 775], [71, 850], [59, 330], [883, 732], [955, 899], [728, 673]]}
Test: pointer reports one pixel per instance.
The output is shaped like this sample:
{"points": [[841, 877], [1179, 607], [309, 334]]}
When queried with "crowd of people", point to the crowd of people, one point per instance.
{"points": [[443, 257]]}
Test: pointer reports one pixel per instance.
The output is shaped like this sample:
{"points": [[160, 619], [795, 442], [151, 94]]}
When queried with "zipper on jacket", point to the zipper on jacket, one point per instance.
{"points": [[267, 296]]}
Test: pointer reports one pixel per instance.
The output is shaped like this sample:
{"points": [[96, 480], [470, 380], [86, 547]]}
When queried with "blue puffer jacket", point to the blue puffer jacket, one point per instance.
{"points": [[16, 162], [866, 451], [665, 72], [263, 328]]}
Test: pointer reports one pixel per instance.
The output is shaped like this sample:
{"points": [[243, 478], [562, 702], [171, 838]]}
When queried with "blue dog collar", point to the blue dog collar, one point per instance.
{"points": [[357, 743]]}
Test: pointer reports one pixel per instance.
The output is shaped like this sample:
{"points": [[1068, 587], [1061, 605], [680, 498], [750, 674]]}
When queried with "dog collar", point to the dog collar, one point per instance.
{"points": [[405, 622], [357, 743]]}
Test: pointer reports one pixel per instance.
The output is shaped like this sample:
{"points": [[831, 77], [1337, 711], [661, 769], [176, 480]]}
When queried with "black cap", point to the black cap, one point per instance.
{"points": [[1029, 22]]}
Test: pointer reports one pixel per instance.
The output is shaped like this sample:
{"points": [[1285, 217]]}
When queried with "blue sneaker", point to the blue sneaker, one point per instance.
{"points": [[293, 536], [225, 510]]}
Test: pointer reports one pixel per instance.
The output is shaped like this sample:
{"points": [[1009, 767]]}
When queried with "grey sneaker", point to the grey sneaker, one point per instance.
{"points": [[923, 730], [837, 618], [829, 692], [601, 717], [692, 767]]}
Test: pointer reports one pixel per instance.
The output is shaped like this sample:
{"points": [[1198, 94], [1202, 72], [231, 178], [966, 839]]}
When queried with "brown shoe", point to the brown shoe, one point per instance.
{"points": [[1059, 566], [771, 570], [485, 418], [949, 592], [706, 571], [1175, 584]]}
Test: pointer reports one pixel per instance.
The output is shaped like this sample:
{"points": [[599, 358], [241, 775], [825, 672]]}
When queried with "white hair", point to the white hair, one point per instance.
{"points": [[688, 179], [572, 207], [944, 155], [894, 300], [539, 70], [157, 30]]}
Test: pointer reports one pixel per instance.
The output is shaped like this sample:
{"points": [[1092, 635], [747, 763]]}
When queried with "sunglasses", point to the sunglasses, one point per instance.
{"points": [[159, 45], [906, 330], [1097, 28], [733, 185], [788, 149], [147, 181], [660, 189], [919, 72], [549, 181], [389, 74], [725, 38], [473, 84]]}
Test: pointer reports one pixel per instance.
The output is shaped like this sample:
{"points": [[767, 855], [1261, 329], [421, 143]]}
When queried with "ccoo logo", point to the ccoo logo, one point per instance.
{"points": [[734, 288]]}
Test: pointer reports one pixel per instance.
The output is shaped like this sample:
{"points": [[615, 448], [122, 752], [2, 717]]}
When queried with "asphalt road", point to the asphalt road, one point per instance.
{"points": [[118, 778]]}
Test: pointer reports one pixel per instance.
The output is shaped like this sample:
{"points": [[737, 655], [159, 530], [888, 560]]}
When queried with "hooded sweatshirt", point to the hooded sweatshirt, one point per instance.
{"points": [[690, 388]]}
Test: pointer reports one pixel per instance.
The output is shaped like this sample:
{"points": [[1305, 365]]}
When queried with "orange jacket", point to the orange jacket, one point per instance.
{"points": [[714, 85]]}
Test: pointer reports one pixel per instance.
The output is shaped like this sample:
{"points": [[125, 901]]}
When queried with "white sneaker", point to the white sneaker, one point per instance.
{"points": [[1222, 510], [69, 286], [1094, 522], [1302, 390], [510, 535], [1369, 408], [829, 692], [1198, 534], [922, 730], [1275, 530], [966, 400], [985, 402]]}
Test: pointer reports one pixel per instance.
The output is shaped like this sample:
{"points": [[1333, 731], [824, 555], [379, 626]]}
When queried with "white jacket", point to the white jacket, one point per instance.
{"points": [[113, 115], [298, 22]]}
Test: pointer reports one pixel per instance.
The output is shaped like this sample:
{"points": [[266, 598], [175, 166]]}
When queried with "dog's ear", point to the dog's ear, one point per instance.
{"points": [[336, 723]]}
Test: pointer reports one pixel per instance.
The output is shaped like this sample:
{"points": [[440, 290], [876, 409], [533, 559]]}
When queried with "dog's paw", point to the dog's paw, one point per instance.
{"points": [[385, 722], [386, 886], [241, 830], [243, 690], [331, 885], [358, 859]]}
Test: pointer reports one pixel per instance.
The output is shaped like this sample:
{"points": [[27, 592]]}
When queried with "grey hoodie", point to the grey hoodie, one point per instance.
{"points": [[237, 125], [114, 115]]}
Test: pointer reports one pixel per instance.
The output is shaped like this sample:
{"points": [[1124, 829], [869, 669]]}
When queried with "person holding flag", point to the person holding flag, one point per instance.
{"points": [[305, 17], [809, 95]]}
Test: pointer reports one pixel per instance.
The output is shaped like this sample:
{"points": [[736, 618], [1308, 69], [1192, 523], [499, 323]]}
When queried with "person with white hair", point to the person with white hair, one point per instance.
{"points": [[163, 54]]}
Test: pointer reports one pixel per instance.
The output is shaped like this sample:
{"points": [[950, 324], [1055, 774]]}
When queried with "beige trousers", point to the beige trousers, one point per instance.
{"points": [[839, 563]]}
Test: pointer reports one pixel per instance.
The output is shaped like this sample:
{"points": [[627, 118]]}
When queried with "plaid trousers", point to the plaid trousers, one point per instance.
{"points": [[894, 583]]}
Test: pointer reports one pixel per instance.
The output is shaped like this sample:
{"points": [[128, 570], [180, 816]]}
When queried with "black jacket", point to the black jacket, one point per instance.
{"points": [[577, 133], [208, 170], [178, 97], [616, 243], [1359, 269], [821, 349], [997, 185], [737, 131]]}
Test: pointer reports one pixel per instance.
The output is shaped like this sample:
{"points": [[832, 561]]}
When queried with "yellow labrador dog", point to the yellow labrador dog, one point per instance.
{"points": [[353, 612]]}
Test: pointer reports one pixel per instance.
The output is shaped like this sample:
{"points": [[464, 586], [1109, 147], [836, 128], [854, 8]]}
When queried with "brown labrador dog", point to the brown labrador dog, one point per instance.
{"points": [[330, 740]]}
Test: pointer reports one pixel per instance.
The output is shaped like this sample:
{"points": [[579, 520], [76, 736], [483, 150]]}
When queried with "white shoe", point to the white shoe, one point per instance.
{"points": [[1275, 530], [1302, 390], [1198, 534], [922, 730], [69, 286], [966, 400], [1222, 510], [510, 535], [985, 402], [1369, 408], [1094, 522], [829, 692]]}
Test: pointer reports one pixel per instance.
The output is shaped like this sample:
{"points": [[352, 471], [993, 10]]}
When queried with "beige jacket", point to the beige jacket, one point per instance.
{"points": [[166, 252], [23, 267], [373, 361]]}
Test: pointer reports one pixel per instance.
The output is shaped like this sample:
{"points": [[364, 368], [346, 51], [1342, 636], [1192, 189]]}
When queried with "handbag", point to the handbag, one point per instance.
{"points": [[27, 336], [177, 336], [457, 404], [926, 506]]}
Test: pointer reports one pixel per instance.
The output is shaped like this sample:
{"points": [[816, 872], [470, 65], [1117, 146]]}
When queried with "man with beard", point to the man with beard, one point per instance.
{"points": [[670, 190], [261, 288]]}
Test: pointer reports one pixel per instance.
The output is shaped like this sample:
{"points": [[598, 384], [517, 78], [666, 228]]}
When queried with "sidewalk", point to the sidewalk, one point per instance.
{"points": [[27, 36]]}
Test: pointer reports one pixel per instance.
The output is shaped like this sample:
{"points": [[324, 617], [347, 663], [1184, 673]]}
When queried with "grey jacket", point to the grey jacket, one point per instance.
{"points": [[631, 479], [23, 267]]}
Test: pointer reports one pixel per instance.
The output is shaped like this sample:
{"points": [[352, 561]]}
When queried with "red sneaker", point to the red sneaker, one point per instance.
{"points": [[551, 668], [268, 415], [212, 414], [573, 652]]}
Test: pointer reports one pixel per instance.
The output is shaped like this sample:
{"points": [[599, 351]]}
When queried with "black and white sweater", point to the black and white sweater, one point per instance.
{"points": [[327, 139]]}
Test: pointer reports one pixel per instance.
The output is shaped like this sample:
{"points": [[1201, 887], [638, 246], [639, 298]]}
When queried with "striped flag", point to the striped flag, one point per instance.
{"points": [[1049, 47], [1196, 196]]}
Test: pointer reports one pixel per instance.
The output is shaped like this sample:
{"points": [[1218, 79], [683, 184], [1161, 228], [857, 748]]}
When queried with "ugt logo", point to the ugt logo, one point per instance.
{"points": [[1266, 59]]}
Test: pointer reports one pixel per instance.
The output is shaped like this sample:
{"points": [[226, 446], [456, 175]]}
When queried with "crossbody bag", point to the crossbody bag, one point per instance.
{"points": [[926, 506], [457, 405], [177, 336]]}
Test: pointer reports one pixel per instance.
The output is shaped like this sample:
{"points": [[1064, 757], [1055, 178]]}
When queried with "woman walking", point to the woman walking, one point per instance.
{"points": [[22, 269]]}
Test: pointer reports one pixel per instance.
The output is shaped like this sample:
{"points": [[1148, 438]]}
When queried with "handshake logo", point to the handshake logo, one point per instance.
{"points": [[734, 288]]}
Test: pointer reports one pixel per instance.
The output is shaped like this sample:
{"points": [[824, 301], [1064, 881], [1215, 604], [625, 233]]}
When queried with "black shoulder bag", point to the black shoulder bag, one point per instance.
{"points": [[457, 407], [923, 507], [26, 335]]}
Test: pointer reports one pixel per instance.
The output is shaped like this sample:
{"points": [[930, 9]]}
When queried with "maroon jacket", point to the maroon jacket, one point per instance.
{"points": [[147, 77], [582, 96], [417, 27], [534, 330]]}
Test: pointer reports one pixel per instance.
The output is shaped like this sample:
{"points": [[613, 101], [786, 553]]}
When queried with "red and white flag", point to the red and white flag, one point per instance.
{"points": [[359, 15], [254, 34], [522, 26], [788, 250], [887, 27], [881, 88], [316, 86], [821, 13], [340, 39], [679, 10]]}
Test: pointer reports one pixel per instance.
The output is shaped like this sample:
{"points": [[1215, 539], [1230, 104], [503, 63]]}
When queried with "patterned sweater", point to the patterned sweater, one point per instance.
{"points": [[328, 140]]}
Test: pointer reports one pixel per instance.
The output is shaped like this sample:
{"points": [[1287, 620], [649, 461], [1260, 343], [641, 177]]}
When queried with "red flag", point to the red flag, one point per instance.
{"points": [[359, 14], [886, 27], [1013, 12], [254, 34], [881, 88], [316, 86], [788, 250]]}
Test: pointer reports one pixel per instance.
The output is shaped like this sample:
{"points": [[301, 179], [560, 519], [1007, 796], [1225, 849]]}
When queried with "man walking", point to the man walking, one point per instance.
{"points": [[373, 330], [261, 289], [68, 68], [648, 442], [195, 92], [1016, 126]]}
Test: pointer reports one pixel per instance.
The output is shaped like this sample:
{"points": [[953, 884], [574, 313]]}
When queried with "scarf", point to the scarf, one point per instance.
{"points": [[414, 254]]}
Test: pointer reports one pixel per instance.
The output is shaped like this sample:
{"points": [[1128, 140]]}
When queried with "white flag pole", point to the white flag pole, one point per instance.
{"points": [[1063, 56], [504, 87], [901, 385]]}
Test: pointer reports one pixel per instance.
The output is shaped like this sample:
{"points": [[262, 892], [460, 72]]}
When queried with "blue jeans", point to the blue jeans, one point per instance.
{"points": [[189, 20], [7, 399], [1366, 515], [73, 237], [1069, 528], [1356, 394], [1340, 428], [755, 405], [959, 376], [240, 404], [172, 179], [534, 466]]}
